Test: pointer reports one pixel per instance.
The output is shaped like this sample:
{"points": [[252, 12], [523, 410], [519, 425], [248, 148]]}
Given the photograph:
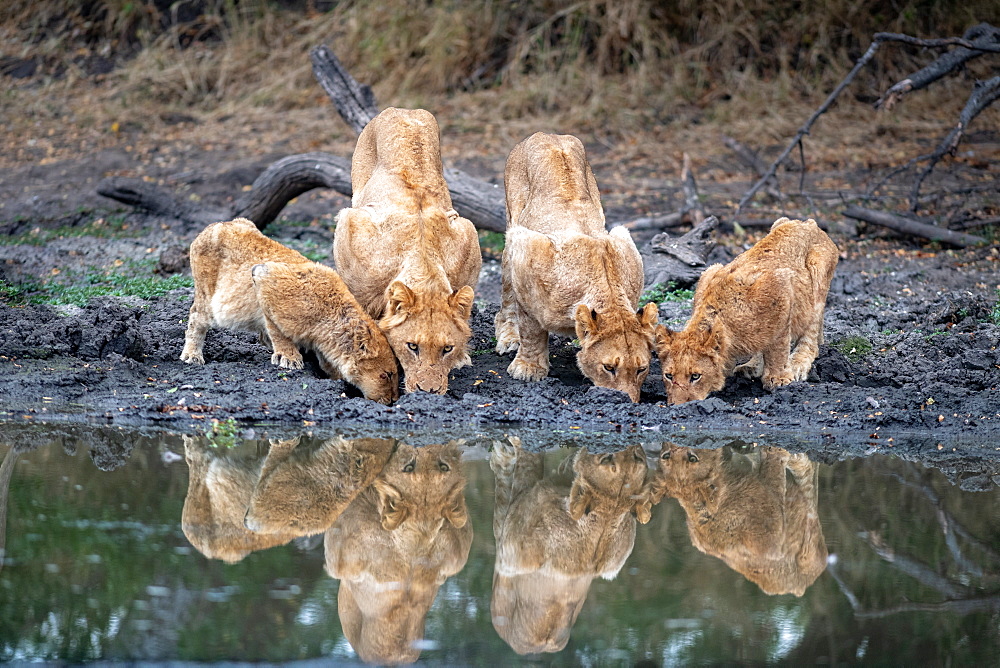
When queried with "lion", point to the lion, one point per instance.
{"points": [[759, 305], [394, 547], [554, 535], [757, 512], [304, 491], [244, 280], [404, 252], [562, 272], [219, 491]]}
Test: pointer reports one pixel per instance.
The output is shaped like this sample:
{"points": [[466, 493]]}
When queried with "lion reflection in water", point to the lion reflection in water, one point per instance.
{"points": [[237, 504], [755, 510], [555, 534], [394, 547]]}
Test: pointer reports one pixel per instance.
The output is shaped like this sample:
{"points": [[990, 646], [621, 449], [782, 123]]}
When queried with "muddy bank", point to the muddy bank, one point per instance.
{"points": [[930, 377]]}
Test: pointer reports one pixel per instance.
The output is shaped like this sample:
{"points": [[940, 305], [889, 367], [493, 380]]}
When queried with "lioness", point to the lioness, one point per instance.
{"points": [[755, 511], [562, 272], [407, 256], [394, 547], [244, 280], [555, 534], [219, 489], [759, 305], [304, 490]]}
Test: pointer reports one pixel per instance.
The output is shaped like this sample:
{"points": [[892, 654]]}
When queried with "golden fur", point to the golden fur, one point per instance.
{"points": [[219, 490], [555, 534], [562, 272], [410, 259], [759, 305], [394, 547], [304, 491], [757, 511], [244, 280]]}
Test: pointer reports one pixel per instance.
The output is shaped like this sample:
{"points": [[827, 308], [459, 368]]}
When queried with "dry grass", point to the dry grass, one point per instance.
{"points": [[610, 68]]}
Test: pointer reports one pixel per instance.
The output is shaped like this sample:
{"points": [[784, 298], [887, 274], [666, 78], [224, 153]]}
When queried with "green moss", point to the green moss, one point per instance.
{"points": [[666, 292], [853, 347]]}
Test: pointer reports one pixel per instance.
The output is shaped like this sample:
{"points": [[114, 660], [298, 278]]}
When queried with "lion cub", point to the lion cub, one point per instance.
{"points": [[759, 305], [757, 511], [404, 252], [244, 280], [563, 273]]}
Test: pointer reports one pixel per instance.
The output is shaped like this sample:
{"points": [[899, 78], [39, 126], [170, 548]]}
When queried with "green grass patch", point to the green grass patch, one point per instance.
{"points": [[853, 347], [492, 241], [666, 292], [101, 228], [994, 314], [132, 279]]}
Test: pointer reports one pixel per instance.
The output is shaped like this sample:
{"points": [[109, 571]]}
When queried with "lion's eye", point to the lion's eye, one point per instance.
{"points": [[408, 468], [668, 376], [443, 467], [447, 349], [641, 370], [414, 347], [607, 459], [692, 457], [665, 454], [695, 377], [610, 369]]}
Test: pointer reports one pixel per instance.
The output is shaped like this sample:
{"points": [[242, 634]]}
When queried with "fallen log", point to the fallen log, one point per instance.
{"points": [[913, 227], [679, 260]]}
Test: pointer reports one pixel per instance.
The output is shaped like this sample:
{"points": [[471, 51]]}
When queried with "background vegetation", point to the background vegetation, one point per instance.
{"points": [[595, 62]]}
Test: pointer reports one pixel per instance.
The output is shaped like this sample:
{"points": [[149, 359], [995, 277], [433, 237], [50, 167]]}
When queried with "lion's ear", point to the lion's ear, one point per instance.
{"points": [[649, 315], [461, 301], [398, 296], [580, 497], [664, 336], [586, 321], [391, 512]]}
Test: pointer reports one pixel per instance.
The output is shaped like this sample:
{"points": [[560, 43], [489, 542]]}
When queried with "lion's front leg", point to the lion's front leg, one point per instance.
{"points": [[777, 371], [532, 360], [505, 323], [286, 354]]}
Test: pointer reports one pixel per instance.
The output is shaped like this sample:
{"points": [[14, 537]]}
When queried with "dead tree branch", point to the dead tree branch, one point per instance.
{"points": [[976, 41], [804, 130], [985, 38], [692, 204], [354, 101], [984, 93], [680, 260], [913, 227]]}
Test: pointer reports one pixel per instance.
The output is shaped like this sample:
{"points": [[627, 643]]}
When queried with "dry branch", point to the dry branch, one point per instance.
{"points": [[984, 93], [692, 204], [913, 227], [986, 40], [980, 38]]}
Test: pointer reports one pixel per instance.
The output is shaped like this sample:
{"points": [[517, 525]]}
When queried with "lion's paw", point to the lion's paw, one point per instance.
{"points": [[287, 360], [752, 368], [519, 369], [192, 358], [776, 380]]}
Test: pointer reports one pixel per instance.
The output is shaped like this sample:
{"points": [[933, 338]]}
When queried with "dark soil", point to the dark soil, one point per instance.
{"points": [[928, 387]]}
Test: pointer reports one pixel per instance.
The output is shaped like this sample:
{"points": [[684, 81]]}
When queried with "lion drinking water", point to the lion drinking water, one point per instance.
{"points": [[759, 305], [244, 280], [404, 252], [563, 273]]}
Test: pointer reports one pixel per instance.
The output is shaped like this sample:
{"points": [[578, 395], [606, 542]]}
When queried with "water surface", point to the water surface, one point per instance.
{"points": [[873, 560]]}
